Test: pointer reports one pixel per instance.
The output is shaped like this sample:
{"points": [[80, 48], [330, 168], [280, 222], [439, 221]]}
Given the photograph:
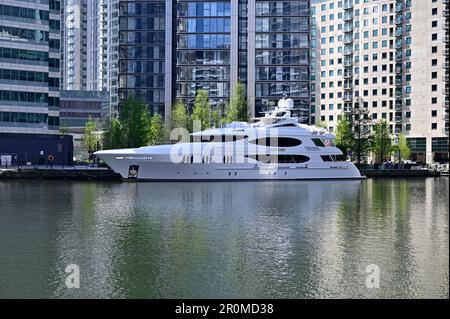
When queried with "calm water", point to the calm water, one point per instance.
{"points": [[221, 240]]}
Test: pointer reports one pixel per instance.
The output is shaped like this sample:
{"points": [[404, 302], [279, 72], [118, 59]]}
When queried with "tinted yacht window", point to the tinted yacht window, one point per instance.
{"points": [[294, 159], [277, 141]]}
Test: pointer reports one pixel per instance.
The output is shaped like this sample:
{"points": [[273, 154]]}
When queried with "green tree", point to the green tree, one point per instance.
{"points": [[381, 141], [358, 117], [114, 136], [90, 138], [238, 109], [157, 129], [179, 116], [402, 148], [321, 124], [216, 120], [135, 120], [345, 139], [202, 111]]}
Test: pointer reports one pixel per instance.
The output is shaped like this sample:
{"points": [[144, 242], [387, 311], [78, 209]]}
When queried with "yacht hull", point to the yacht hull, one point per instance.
{"points": [[168, 171]]}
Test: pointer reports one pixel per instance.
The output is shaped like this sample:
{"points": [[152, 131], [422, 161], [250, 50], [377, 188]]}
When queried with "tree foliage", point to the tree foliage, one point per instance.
{"points": [[402, 149], [113, 137], [238, 108], [90, 137], [202, 110], [179, 117], [381, 141], [156, 129], [345, 139], [135, 120]]}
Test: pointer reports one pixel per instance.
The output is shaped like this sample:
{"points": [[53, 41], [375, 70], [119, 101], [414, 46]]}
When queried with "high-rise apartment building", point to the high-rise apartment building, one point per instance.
{"points": [[90, 46], [76, 44], [171, 49], [29, 66], [392, 57]]}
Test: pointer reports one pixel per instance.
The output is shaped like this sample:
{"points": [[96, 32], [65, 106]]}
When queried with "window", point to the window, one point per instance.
{"points": [[327, 158], [318, 142], [277, 142], [279, 158]]}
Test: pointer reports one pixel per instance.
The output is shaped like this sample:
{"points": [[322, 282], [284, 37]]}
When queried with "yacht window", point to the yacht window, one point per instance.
{"points": [[327, 158], [287, 125], [277, 142], [294, 159], [318, 142], [219, 138]]}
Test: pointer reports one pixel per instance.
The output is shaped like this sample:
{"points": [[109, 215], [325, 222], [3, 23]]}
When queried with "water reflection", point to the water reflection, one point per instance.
{"points": [[193, 240]]}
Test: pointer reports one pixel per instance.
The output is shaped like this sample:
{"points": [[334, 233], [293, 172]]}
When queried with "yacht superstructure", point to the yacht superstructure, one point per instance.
{"points": [[272, 147]]}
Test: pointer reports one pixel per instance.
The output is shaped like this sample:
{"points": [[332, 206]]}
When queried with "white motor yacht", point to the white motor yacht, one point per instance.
{"points": [[273, 147]]}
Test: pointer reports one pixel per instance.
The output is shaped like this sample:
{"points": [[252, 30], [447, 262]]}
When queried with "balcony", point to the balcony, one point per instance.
{"points": [[348, 86], [348, 40], [348, 75], [445, 105], [445, 91], [398, 119], [348, 98], [348, 63], [446, 64], [445, 130], [348, 16], [348, 108], [399, 20], [348, 27], [348, 5], [445, 38], [398, 70], [348, 51], [399, 8], [398, 94]]}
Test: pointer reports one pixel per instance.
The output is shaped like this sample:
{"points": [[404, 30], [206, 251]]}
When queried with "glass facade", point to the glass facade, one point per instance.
{"points": [[282, 44], [141, 51], [30, 66], [203, 43], [210, 49]]}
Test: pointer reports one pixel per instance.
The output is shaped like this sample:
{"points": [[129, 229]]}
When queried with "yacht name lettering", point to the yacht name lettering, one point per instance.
{"points": [[186, 309]]}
